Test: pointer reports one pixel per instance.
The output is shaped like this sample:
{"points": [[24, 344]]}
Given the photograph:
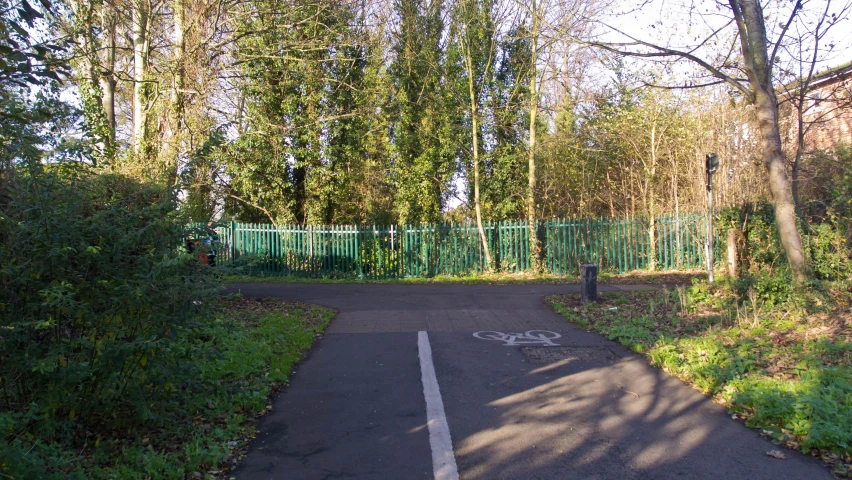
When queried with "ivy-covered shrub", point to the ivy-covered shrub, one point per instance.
{"points": [[96, 303], [825, 240], [827, 249], [826, 188]]}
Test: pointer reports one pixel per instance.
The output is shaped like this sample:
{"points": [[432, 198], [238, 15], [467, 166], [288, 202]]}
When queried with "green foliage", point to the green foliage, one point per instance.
{"points": [[33, 126], [841, 190], [762, 244], [198, 177], [97, 127], [828, 249], [23, 61], [312, 143], [814, 408], [112, 352], [505, 161], [246, 350], [620, 136], [32, 120], [93, 298], [825, 240], [631, 336], [425, 142], [773, 289], [249, 348], [751, 344]]}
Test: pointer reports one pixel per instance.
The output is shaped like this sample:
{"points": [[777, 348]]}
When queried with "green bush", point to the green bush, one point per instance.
{"points": [[840, 201], [814, 408], [826, 239], [827, 249], [792, 384], [94, 296]]}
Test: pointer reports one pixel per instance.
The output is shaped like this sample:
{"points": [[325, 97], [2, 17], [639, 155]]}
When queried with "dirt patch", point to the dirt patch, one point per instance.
{"points": [[653, 278], [248, 310]]}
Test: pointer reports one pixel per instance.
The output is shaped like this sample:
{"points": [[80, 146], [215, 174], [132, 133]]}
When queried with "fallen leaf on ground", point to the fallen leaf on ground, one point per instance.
{"points": [[776, 454]]}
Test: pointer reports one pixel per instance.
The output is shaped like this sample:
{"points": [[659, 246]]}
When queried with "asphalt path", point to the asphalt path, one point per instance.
{"points": [[536, 406]]}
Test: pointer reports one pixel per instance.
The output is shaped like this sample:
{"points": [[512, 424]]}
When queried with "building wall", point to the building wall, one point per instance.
{"points": [[828, 116]]}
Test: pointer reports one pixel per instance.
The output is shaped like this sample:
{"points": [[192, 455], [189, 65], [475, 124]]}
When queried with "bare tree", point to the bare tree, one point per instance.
{"points": [[812, 102], [141, 15], [551, 22], [178, 99], [536, 13], [107, 77], [474, 25], [748, 69], [92, 25]]}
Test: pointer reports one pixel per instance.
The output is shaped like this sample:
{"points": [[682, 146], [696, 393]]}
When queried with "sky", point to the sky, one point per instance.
{"points": [[684, 24]]}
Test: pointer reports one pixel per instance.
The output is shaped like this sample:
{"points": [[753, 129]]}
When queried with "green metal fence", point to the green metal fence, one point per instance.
{"points": [[372, 251]]}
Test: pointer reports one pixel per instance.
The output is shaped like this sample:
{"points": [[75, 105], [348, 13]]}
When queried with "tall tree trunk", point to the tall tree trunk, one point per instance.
{"points": [[779, 183], [141, 46], [651, 198], [676, 202], [88, 46], [794, 183], [107, 77], [474, 130], [475, 127], [749, 17], [534, 247], [93, 97], [609, 191], [178, 101], [797, 158], [300, 194]]}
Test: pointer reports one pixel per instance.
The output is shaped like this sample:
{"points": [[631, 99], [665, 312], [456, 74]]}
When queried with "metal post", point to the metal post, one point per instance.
{"points": [[711, 164], [710, 242], [233, 241], [588, 283]]}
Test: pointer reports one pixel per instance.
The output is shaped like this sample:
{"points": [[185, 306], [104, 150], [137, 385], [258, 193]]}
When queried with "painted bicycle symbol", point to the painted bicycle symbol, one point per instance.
{"points": [[530, 337]]}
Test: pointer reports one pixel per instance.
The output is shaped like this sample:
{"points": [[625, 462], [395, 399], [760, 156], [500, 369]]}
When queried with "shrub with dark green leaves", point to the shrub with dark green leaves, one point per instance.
{"points": [[828, 252], [95, 295], [825, 240]]}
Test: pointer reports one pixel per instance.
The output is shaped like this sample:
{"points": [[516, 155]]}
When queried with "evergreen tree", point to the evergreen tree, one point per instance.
{"points": [[423, 162], [301, 82], [505, 163]]}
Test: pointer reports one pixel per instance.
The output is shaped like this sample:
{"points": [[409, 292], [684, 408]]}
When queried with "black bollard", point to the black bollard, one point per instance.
{"points": [[588, 283]]}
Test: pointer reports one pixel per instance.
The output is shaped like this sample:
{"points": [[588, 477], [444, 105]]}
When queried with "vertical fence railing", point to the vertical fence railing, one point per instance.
{"points": [[394, 251]]}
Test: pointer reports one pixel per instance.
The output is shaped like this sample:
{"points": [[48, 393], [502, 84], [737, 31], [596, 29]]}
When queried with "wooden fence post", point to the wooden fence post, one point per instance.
{"points": [[732, 252]]}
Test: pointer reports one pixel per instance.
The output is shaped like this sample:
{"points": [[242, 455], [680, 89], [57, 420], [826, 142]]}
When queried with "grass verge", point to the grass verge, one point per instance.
{"points": [[250, 348], [783, 366]]}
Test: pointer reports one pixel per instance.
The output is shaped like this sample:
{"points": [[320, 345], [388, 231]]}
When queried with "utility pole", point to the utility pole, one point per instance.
{"points": [[711, 164]]}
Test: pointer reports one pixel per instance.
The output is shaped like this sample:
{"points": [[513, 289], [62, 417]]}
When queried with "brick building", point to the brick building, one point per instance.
{"points": [[827, 113]]}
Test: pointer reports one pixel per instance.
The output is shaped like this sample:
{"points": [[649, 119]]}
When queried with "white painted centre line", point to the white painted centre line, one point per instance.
{"points": [[443, 460]]}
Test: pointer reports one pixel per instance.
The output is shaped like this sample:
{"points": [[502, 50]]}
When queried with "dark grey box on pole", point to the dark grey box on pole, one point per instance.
{"points": [[588, 283]]}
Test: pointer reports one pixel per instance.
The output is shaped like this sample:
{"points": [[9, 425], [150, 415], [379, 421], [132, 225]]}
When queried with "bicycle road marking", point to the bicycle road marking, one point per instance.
{"points": [[443, 459], [530, 337]]}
